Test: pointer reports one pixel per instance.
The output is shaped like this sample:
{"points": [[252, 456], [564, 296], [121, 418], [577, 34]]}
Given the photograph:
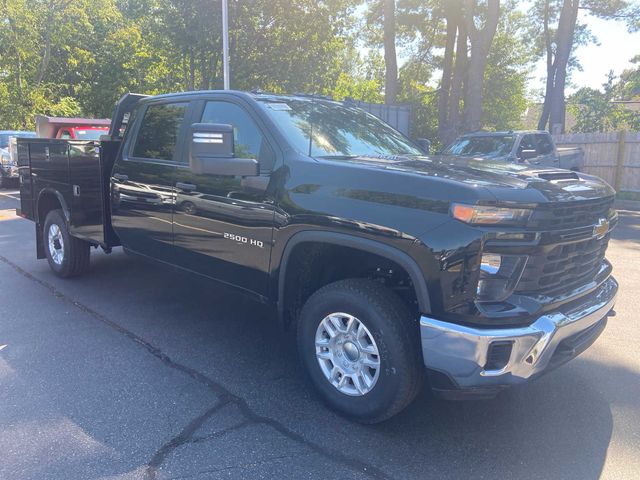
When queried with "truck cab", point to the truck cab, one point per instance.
{"points": [[87, 129], [81, 132], [392, 267], [534, 147]]}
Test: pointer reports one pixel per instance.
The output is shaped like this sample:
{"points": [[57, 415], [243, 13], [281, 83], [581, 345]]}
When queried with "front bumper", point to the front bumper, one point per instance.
{"points": [[466, 356]]}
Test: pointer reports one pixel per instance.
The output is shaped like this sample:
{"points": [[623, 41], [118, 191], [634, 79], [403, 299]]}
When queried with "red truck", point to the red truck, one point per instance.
{"points": [[71, 128]]}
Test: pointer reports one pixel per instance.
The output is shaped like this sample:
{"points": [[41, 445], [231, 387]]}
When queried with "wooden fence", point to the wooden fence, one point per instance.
{"points": [[614, 157]]}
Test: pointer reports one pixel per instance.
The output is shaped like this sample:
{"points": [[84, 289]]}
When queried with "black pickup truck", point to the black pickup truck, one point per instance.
{"points": [[392, 267]]}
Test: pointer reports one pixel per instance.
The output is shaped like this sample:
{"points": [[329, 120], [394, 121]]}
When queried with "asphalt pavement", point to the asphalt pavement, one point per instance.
{"points": [[137, 372]]}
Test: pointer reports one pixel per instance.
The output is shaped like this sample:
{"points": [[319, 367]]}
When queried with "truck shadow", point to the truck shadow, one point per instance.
{"points": [[628, 229], [561, 423]]}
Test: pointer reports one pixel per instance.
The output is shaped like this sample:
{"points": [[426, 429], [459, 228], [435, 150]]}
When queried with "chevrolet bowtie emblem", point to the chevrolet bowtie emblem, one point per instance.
{"points": [[601, 228]]}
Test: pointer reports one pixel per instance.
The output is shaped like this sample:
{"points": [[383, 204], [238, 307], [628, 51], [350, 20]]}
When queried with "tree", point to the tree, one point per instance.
{"points": [[390, 58], [506, 74], [480, 40], [452, 77], [467, 48], [628, 88], [77, 57], [559, 42], [597, 111]]}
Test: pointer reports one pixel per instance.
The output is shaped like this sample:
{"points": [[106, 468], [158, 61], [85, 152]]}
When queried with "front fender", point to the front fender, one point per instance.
{"points": [[352, 241]]}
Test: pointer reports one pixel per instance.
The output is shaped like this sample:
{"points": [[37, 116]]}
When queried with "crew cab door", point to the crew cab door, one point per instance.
{"points": [[143, 181], [223, 224]]}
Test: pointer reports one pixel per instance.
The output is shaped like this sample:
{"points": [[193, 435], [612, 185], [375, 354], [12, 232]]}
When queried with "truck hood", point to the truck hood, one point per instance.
{"points": [[507, 182]]}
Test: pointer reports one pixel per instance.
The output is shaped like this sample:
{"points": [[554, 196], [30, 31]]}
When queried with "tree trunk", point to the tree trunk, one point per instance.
{"points": [[192, 71], [457, 83], [480, 40], [564, 45], [390, 59], [447, 69], [553, 111], [46, 55], [544, 117]]}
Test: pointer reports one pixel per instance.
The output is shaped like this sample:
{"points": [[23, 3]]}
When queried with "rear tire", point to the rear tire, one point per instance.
{"points": [[365, 386], [67, 256]]}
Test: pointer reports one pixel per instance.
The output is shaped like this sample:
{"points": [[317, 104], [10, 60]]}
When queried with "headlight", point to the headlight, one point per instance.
{"points": [[489, 215], [499, 275]]}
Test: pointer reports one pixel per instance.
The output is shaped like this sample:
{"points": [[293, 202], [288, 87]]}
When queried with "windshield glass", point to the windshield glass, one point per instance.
{"points": [[483, 146], [90, 133], [327, 129], [4, 137]]}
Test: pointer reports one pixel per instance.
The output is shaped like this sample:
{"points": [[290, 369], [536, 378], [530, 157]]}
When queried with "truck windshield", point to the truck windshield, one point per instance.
{"points": [[327, 129], [484, 146], [90, 133]]}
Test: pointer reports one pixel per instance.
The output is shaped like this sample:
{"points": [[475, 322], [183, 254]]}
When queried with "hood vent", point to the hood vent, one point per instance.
{"points": [[558, 176]]}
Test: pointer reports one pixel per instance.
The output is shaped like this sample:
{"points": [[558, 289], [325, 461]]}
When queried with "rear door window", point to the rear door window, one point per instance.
{"points": [[158, 134], [528, 143], [545, 147]]}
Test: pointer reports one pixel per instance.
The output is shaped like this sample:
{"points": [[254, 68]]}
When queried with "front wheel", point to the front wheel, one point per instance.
{"points": [[67, 256], [360, 347]]}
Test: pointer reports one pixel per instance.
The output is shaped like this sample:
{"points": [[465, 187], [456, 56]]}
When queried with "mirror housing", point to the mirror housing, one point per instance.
{"points": [[528, 154], [424, 144], [212, 152]]}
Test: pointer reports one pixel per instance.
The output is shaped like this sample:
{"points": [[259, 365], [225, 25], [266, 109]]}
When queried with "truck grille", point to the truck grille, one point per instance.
{"points": [[563, 267], [563, 215]]}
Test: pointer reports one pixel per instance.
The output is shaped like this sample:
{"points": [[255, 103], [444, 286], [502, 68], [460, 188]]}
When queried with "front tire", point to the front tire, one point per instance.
{"points": [[67, 256], [360, 346]]}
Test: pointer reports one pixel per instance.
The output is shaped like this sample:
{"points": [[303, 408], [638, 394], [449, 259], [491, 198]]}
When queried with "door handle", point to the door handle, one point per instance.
{"points": [[186, 186], [121, 177]]}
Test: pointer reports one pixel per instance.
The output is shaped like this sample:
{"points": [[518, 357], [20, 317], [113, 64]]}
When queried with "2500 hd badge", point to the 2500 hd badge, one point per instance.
{"points": [[241, 239]]}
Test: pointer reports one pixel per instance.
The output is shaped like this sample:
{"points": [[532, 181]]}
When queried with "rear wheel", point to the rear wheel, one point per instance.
{"points": [[189, 208], [67, 256], [360, 346]]}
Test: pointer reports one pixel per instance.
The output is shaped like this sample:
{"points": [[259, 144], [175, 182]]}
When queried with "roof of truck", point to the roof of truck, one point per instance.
{"points": [[502, 133], [240, 93], [60, 121]]}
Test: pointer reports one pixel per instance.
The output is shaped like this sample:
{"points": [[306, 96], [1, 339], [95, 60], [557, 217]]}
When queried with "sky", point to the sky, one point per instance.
{"points": [[615, 48]]}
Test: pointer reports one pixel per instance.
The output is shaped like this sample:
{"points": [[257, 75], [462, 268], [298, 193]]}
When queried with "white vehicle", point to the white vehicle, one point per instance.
{"points": [[534, 147], [8, 154]]}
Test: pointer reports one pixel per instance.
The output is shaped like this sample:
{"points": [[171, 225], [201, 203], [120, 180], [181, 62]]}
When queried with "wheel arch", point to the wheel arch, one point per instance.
{"points": [[48, 199], [364, 245]]}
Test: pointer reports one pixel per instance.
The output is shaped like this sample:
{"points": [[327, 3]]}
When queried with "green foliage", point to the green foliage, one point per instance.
{"points": [[597, 111], [77, 57], [416, 91], [628, 88], [505, 84]]}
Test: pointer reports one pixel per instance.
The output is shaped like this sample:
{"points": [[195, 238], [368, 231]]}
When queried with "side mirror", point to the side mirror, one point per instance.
{"points": [[211, 152], [424, 144], [528, 154]]}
